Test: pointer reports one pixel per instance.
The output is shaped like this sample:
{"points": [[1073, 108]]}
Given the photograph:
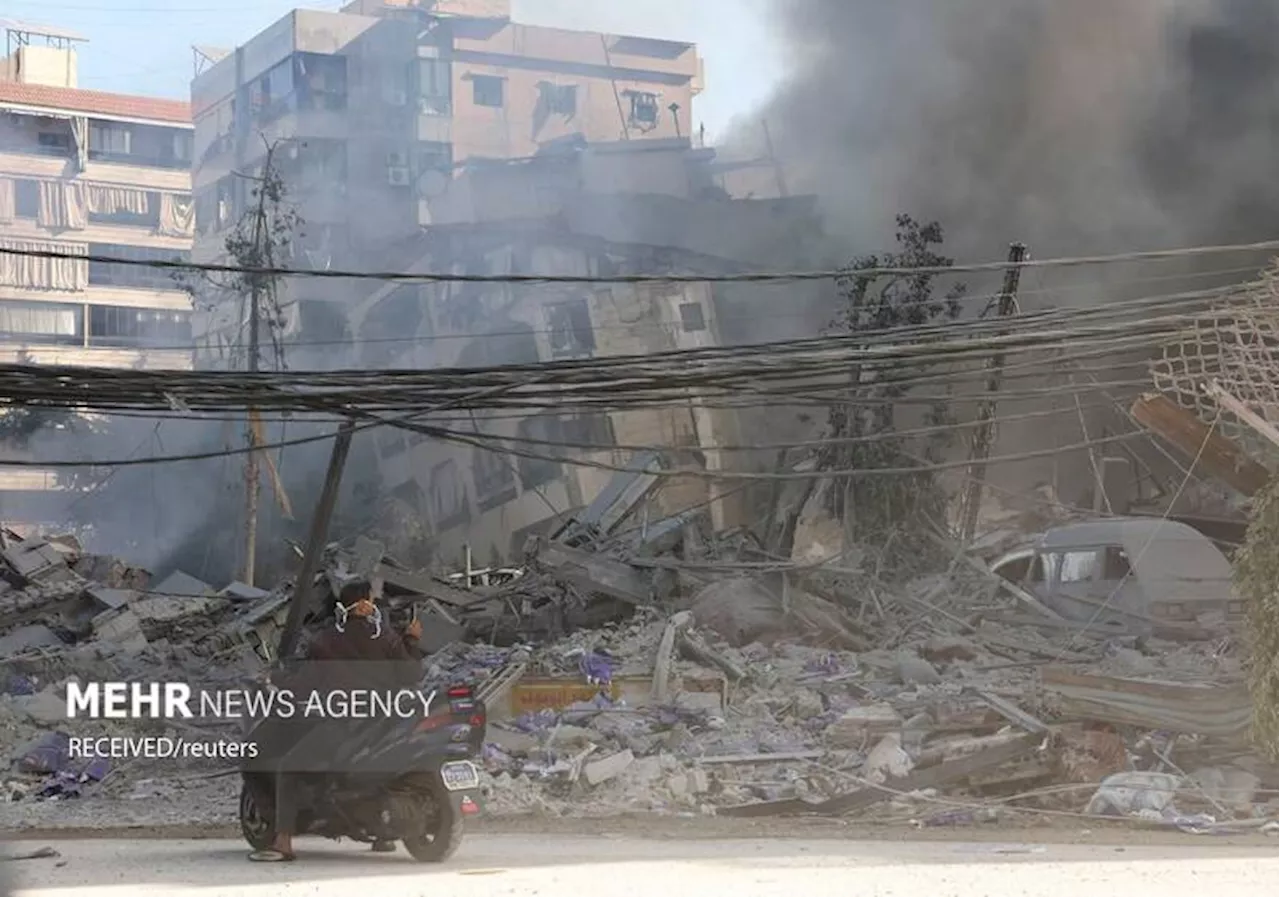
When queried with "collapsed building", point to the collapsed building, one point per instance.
{"points": [[575, 209]]}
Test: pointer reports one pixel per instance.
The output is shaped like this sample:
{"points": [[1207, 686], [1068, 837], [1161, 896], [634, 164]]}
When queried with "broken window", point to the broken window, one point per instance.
{"points": [[448, 496], [435, 87], [559, 99], [434, 156], [1115, 564], [536, 472], [320, 81], [692, 319], [1076, 566], [569, 329], [644, 107], [494, 477], [587, 430], [486, 90]]}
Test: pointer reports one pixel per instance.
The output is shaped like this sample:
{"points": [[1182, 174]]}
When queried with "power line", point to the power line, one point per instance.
{"points": [[743, 277]]}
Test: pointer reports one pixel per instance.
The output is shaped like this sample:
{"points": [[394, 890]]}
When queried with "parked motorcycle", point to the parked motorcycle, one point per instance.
{"points": [[406, 780]]}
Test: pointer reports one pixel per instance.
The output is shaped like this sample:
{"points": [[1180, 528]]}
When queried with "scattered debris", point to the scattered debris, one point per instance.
{"points": [[623, 673]]}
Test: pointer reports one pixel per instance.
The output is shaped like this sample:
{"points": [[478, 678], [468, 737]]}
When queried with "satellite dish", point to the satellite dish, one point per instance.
{"points": [[432, 183]]}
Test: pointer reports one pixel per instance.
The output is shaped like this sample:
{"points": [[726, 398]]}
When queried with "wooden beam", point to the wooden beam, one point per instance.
{"points": [[1212, 452]]}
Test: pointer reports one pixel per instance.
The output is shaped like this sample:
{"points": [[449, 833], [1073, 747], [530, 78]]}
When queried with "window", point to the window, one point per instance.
{"points": [[109, 141], [1115, 564], [486, 90], [26, 198], [46, 323], [644, 107], [435, 88], [587, 430], [321, 81], [536, 472], [149, 218], [126, 275], [1076, 566], [494, 477], [435, 157], [116, 325], [53, 144], [559, 99], [569, 325], [182, 145], [273, 93], [447, 496], [692, 318]]}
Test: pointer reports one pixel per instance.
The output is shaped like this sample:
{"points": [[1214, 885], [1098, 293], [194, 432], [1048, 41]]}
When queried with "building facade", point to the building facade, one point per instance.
{"points": [[585, 210], [89, 173], [86, 173], [372, 110]]}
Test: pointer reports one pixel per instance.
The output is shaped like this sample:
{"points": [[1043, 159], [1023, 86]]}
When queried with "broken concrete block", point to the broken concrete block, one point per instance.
{"points": [[699, 781], [915, 670], [180, 585], [603, 770], [887, 760], [861, 723], [47, 707], [512, 742], [117, 625], [27, 638], [36, 559], [111, 599], [239, 591]]}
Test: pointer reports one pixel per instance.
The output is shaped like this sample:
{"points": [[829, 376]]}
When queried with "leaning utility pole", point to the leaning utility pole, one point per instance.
{"points": [[982, 435], [260, 257]]}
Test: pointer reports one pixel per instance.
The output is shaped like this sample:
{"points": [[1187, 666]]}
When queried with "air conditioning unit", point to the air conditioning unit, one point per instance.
{"points": [[397, 160], [398, 176]]}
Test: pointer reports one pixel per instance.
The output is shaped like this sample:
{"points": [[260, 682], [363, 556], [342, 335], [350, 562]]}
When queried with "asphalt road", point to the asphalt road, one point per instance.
{"points": [[514, 865]]}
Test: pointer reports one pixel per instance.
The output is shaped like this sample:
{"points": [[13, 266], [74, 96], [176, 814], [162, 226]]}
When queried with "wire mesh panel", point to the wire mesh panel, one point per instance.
{"points": [[1233, 345]]}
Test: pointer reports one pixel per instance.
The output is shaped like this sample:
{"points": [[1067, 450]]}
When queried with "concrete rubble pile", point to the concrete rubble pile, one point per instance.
{"points": [[623, 675]]}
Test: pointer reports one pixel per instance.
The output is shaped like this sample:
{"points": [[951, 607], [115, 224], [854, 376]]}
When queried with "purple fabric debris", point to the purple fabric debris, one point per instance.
{"points": [[21, 685], [596, 668], [95, 770], [48, 755], [63, 784]]}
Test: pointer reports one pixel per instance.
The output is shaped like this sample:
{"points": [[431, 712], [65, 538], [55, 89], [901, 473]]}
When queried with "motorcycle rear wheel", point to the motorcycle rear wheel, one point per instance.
{"points": [[257, 823], [445, 835]]}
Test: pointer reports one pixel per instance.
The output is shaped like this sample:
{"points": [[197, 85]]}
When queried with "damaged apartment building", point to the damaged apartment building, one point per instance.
{"points": [[444, 136], [84, 172], [370, 109], [579, 209]]}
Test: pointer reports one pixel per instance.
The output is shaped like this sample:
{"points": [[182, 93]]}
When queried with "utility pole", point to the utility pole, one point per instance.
{"points": [[980, 448], [260, 258]]}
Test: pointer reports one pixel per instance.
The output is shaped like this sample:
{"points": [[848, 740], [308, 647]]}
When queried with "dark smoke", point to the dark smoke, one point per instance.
{"points": [[1073, 125]]}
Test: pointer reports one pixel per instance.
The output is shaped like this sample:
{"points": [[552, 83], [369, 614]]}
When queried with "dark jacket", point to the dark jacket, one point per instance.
{"points": [[355, 659]]}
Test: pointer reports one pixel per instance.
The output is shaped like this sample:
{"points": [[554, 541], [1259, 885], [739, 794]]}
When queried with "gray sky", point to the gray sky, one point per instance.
{"points": [[144, 46]]}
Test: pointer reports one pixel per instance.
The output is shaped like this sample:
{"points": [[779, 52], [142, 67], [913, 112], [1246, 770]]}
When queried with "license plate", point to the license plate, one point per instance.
{"points": [[460, 776]]}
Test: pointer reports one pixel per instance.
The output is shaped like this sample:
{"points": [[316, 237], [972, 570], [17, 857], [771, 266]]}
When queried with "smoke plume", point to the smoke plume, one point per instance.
{"points": [[1081, 126]]}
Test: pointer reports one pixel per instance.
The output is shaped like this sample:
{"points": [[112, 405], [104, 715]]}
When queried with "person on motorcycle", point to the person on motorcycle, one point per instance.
{"points": [[357, 635]]}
